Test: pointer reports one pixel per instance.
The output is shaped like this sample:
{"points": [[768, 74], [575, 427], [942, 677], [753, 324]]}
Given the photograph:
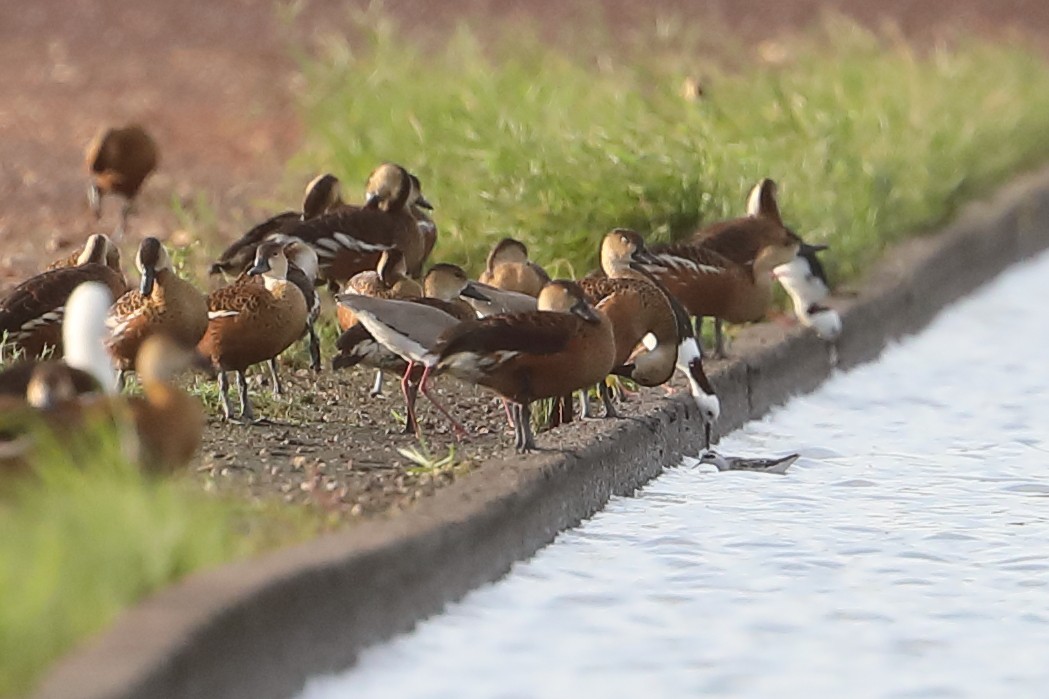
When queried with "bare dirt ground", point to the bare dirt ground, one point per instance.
{"points": [[217, 84]]}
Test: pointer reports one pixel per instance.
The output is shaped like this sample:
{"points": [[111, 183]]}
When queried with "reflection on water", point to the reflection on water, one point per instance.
{"points": [[906, 554]]}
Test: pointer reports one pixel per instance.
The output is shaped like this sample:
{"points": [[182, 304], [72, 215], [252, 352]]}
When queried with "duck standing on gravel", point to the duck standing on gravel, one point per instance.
{"points": [[119, 160], [564, 346], [250, 323], [163, 304]]}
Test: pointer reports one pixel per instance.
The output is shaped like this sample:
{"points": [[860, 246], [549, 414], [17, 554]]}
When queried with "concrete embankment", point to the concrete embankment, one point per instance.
{"points": [[259, 628]]}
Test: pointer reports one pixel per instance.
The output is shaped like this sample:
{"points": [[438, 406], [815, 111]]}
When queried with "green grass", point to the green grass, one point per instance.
{"points": [[91, 535], [869, 139]]}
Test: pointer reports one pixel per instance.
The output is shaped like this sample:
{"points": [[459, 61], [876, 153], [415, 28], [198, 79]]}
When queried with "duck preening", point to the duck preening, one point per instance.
{"points": [[564, 346], [509, 268], [31, 315]]}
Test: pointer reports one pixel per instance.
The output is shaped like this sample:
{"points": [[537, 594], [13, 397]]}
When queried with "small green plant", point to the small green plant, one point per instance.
{"points": [[427, 463]]}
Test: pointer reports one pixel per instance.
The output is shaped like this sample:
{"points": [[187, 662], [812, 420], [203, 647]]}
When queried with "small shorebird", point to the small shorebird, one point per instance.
{"points": [[777, 465]]}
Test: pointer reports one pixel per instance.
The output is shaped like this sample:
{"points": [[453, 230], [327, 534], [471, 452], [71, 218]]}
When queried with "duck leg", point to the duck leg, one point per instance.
{"points": [[94, 200], [424, 386], [584, 404], [377, 386], [606, 399], [315, 347], [227, 410], [526, 440], [719, 340], [245, 402], [278, 390], [409, 391]]}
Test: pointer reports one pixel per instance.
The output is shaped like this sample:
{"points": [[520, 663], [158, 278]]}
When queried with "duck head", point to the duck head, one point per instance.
{"points": [[389, 188], [507, 250], [621, 248], [49, 386], [416, 198], [324, 192], [270, 262], [448, 282], [564, 296], [151, 259]]}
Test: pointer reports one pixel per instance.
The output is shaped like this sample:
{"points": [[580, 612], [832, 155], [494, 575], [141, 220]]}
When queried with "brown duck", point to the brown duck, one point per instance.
{"points": [[119, 160], [564, 346], [349, 240], [31, 315], [389, 280], [509, 268], [322, 194], [708, 283], [163, 304], [250, 323]]}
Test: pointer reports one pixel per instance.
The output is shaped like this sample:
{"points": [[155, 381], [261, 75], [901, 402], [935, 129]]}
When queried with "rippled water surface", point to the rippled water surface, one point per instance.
{"points": [[906, 554]]}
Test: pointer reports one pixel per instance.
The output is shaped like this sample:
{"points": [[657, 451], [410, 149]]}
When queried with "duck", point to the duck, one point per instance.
{"points": [[159, 430], [322, 194], [31, 314], [489, 300], [509, 268], [409, 329], [420, 209], [79, 256], [303, 267], [389, 280], [563, 346], [163, 304], [645, 315], [84, 334], [443, 288], [250, 323], [778, 465], [118, 161], [350, 239], [710, 283]]}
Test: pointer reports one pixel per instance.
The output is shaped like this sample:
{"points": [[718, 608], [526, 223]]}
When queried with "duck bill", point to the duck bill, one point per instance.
{"points": [[586, 312], [644, 257], [371, 200], [260, 267], [471, 291], [149, 278], [805, 248], [422, 203]]}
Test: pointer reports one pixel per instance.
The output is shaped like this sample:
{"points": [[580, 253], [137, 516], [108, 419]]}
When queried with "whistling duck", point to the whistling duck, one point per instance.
{"points": [[389, 280], [79, 256], [410, 330], [160, 430], [709, 283], [497, 301], [118, 161], [350, 239], [322, 195], [163, 304], [249, 323], [564, 346], [84, 335], [509, 268], [31, 315], [669, 339], [443, 286], [420, 209]]}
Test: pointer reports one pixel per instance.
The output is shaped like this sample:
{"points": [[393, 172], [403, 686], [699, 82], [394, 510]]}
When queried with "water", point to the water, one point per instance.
{"points": [[906, 554]]}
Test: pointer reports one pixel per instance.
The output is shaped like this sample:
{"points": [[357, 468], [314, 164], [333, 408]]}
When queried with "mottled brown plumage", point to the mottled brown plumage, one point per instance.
{"points": [[389, 280], [249, 323], [164, 304]]}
